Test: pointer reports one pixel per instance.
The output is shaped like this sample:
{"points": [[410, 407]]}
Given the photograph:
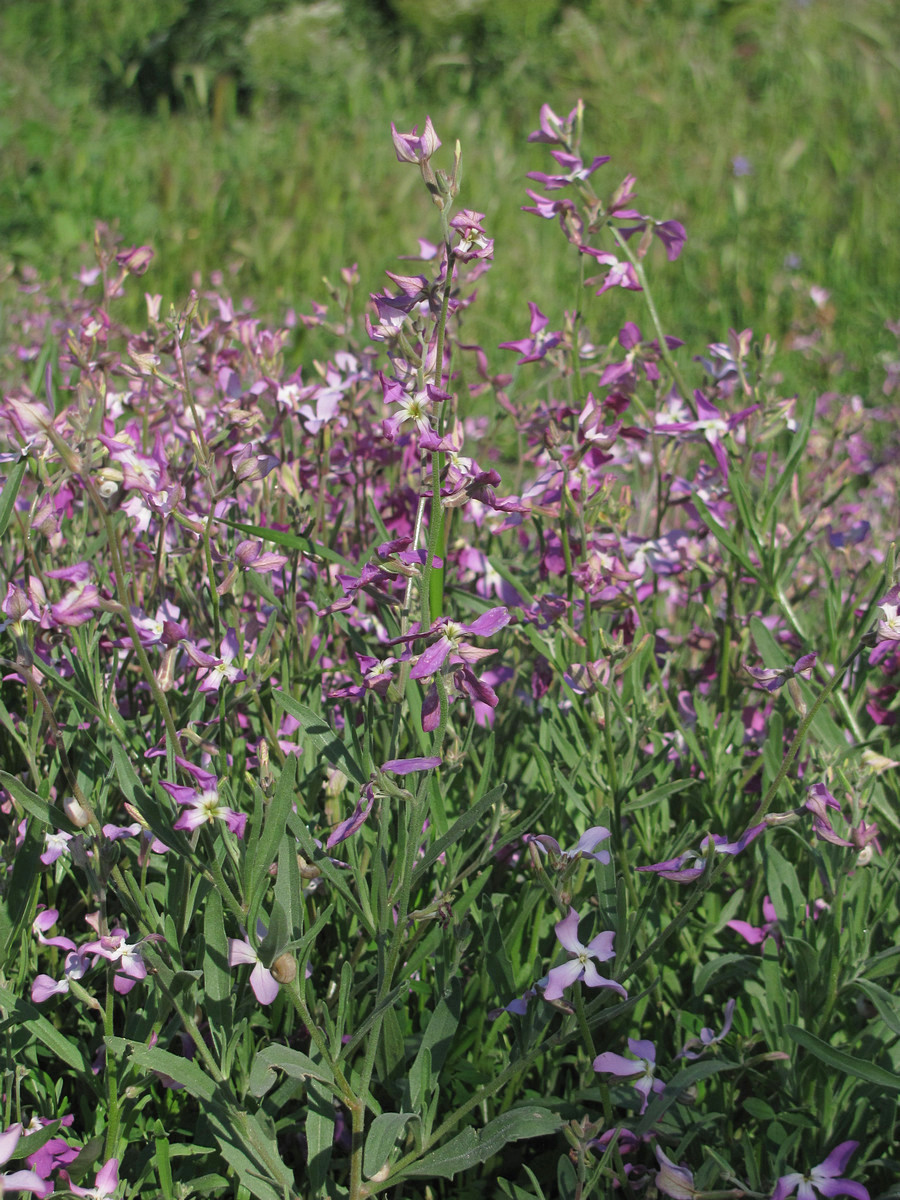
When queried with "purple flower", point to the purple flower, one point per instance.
{"points": [[707, 1036], [580, 966], [44, 986], [534, 348], [218, 669], [818, 802], [450, 641], [710, 425], [640, 1073], [888, 629], [823, 1178], [679, 870], [19, 1181], [355, 821], [756, 934], [105, 1184], [574, 168], [583, 848], [554, 130], [413, 148], [203, 804], [671, 1180], [772, 678]]}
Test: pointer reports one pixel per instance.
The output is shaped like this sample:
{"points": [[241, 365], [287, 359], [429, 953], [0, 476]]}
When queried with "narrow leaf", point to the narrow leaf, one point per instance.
{"points": [[839, 1060]]}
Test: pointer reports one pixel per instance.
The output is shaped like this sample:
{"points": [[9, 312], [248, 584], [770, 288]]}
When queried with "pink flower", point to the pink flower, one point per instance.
{"points": [[105, 1184], [265, 987]]}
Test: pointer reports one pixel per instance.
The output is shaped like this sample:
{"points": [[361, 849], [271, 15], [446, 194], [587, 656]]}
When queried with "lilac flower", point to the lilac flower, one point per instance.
{"points": [[671, 1180], [44, 986], [888, 629], [106, 1182], [819, 800], [19, 1181], [55, 844], [203, 804], [580, 966], [707, 1036], [710, 425], [355, 821], [115, 947], [46, 920], [265, 987], [640, 1073], [405, 766], [772, 678], [574, 168], [217, 669], [823, 1178], [450, 641], [583, 848], [679, 870], [413, 148], [534, 348], [756, 934], [554, 130], [473, 241]]}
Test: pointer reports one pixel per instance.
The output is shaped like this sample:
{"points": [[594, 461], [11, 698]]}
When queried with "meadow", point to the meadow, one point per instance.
{"points": [[449, 716]]}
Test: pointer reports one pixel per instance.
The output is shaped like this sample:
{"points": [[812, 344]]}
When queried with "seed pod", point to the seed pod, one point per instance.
{"points": [[284, 968]]}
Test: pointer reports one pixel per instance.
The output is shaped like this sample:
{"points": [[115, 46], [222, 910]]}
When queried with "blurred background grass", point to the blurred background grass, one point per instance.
{"points": [[252, 136]]}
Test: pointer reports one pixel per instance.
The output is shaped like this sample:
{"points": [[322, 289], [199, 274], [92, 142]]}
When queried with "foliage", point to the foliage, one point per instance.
{"points": [[356, 710]]}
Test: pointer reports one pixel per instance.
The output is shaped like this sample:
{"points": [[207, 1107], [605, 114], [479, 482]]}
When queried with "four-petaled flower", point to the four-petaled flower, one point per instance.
{"points": [[580, 966], [203, 804], [823, 1179], [640, 1073]]}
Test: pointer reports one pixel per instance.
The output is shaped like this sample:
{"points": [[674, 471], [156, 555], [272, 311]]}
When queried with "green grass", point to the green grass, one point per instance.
{"points": [[673, 92]]}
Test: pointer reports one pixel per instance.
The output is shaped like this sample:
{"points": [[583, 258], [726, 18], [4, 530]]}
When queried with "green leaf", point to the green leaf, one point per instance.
{"points": [[9, 493], [469, 818], [381, 1139], [218, 981], [152, 1058], [291, 541], [320, 1115], [158, 820], [273, 829], [472, 1147], [886, 1004], [23, 1013], [839, 1060], [251, 1152], [722, 536], [46, 813], [281, 1058], [322, 736]]}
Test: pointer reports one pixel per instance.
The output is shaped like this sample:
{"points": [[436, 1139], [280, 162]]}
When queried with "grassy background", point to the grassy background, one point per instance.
{"points": [[272, 158]]}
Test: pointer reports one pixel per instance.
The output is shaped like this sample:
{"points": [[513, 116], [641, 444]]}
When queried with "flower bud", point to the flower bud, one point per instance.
{"points": [[75, 812]]}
